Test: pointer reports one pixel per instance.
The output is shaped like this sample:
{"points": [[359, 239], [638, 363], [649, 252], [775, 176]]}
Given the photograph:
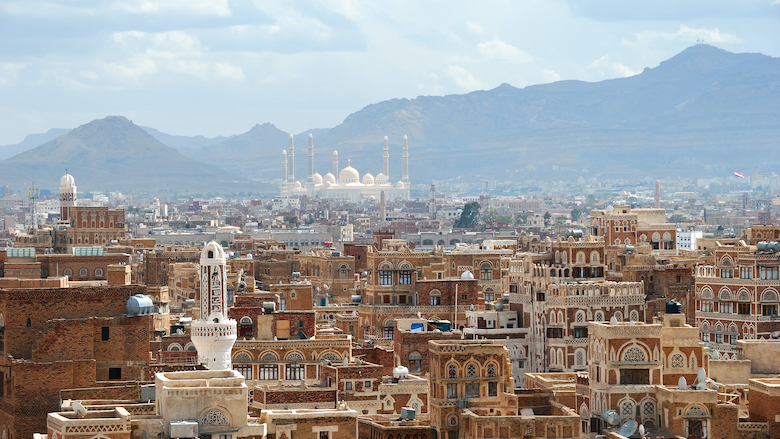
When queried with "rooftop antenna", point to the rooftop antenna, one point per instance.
{"points": [[33, 195]]}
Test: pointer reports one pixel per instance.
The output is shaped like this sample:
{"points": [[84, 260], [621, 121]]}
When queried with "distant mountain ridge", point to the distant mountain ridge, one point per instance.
{"points": [[704, 112]]}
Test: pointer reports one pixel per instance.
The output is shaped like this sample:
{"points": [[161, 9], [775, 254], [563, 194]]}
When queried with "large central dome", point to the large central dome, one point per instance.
{"points": [[349, 175]]}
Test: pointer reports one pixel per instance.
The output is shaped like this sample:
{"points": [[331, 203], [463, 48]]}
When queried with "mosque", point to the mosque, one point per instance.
{"points": [[347, 183]]}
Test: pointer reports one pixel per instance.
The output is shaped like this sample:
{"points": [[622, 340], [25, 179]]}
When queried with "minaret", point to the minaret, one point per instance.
{"points": [[382, 207], [386, 160], [284, 173], [291, 155], [405, 169], [336, 165], [658, 194], [310, 177], [214, 333], [67, 197]]}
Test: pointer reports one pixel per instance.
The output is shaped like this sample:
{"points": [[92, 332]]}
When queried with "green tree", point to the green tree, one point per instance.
{"points": [[575, 214], [676, 218], [309, 219], [489, 215], [504, 219], [291, 219], [468, 217], [547, 217]]}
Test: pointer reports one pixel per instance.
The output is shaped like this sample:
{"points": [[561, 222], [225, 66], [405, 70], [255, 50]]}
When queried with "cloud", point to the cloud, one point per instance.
{"points": [[478, 29], [550, 76], [132, 69], [9, 72], [685, 33], [217, 8], [607, 68], [463, 78], [497, 49], [229, 71]]}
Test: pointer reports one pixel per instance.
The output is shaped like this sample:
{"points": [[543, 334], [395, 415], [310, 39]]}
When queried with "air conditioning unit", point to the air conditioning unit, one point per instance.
{"points": [[184, 429], [408, 413]]}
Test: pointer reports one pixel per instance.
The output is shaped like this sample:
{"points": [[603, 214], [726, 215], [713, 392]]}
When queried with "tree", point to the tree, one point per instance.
{"points": [[291, 219], [468, 217], [676, 218], [310, 219], [575, 214], [547, 217]]}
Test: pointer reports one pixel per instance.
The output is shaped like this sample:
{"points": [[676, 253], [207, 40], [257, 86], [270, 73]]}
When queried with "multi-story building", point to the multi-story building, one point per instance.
{"points": [[624, 225]]}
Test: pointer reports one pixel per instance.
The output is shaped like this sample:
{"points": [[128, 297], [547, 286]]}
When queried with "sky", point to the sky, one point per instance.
{"points": [[218, 67]]}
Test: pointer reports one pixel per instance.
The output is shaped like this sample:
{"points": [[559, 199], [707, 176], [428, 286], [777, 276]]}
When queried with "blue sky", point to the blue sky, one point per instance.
{"points": [[217, 67]]}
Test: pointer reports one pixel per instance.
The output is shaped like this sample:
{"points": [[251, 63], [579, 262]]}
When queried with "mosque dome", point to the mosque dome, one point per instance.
{"points": [[317, 178], [380, 179], [297, 185], [328, 183], [349, 175], [467, 275], [368, 179], [67, 180], [329, 178], [399, 185]]}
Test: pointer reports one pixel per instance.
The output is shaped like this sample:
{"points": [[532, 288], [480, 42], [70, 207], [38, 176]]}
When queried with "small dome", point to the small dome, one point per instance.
{"points": [[317, 178], [349, 175], [380, 179], [399, 185], [67, 180], [212, 253], [297, 185], [368, 179], [328, 184], [467, 275], [329, 178]]}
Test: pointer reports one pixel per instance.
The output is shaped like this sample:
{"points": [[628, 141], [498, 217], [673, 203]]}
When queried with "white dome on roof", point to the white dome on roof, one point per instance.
{"points": [[368, 179], [317, 178], [349, 175], [467, 275], [297, 185], [380, 179], [400, 185], [328, 184], [329, 178], [67, 181]]}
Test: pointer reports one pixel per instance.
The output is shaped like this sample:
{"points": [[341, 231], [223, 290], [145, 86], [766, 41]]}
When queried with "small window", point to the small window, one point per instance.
{"points": [[115, 373], [348, 385], [83, 272], [104, 333], [98, 272]]}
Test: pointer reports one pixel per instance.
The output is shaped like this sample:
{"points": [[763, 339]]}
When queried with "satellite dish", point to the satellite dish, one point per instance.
{"points": [[611, 417], [641, 430], [701, 376], [628, 428], [682, 384], [613, 321], [79, 409]]}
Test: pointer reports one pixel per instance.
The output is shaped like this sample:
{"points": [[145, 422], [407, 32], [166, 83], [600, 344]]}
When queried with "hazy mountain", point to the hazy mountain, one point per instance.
{"points": [[183, 142], [30, 141], [112, 154]]}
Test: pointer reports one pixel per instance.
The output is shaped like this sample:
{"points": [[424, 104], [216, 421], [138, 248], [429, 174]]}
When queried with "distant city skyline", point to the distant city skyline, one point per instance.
{"points": [[219, 67]]}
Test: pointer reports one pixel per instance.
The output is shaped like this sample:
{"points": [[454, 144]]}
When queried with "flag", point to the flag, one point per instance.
{"points": [[739, 174]]}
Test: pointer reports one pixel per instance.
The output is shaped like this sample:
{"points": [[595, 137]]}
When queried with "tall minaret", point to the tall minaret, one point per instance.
{"points": [[336, 165], [386, 160], [658, 194], [213, 334], [284, 173], [310, 177], [291, 155], [382, 207], [405, 169], [67, 197]]}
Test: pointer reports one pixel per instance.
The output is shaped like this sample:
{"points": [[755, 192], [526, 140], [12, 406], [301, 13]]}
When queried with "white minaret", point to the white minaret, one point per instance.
{"points": [[291, 155], [336, 165], [310, 177], [67, 197], [386, 160], [284, 173], [214, 333], [405, 169]]}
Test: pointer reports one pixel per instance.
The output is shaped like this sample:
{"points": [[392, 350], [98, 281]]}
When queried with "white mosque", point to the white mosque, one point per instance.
{"points": [[346, 184]]}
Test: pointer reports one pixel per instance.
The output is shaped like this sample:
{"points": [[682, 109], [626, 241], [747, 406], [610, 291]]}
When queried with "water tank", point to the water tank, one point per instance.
{"points": [[629, 248], [673, 307], [400, 372], [576, 233], [408, 413], [356, 298], [140, 304], [498, 306], [269, 307], [774, 246], [762, 246]]}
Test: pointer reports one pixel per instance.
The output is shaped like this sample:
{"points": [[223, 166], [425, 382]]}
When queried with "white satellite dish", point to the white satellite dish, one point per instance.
{"points": [[613, 321], [701, 376], [628, 428], [79, 409], [641, 430], [682, 384], [611, 417]]}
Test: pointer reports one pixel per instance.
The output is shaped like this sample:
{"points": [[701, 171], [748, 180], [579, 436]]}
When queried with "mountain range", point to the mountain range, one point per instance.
{"points": [[704, 112]]}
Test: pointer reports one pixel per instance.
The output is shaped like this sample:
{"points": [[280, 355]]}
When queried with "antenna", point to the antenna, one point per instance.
{"points": [[79, 409], [628, 428], [34, 194]]}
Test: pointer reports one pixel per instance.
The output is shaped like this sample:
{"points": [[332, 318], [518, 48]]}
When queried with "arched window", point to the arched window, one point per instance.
{"points": [[634, 355], [294, 358], [242, 358], [627, 409], [485, 271], [618, 316], [246, 320], [471, 371], [68, 272], [677, 361], [452, 371], [634, 316], [83, 272], [269, 357], [98, 272], [491, 370]]}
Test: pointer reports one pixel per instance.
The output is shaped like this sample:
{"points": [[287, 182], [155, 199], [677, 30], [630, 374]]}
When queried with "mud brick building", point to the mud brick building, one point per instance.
{"points": [[53, 339]]}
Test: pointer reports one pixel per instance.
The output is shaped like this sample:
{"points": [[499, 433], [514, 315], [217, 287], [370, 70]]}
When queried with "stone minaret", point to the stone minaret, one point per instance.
{"points": [[213, 334], [67, 197], [284, 172], [382, 207], [658, 194], [405, 169], [291, 156], [336, 165], [386, 160], [310, 176]]}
